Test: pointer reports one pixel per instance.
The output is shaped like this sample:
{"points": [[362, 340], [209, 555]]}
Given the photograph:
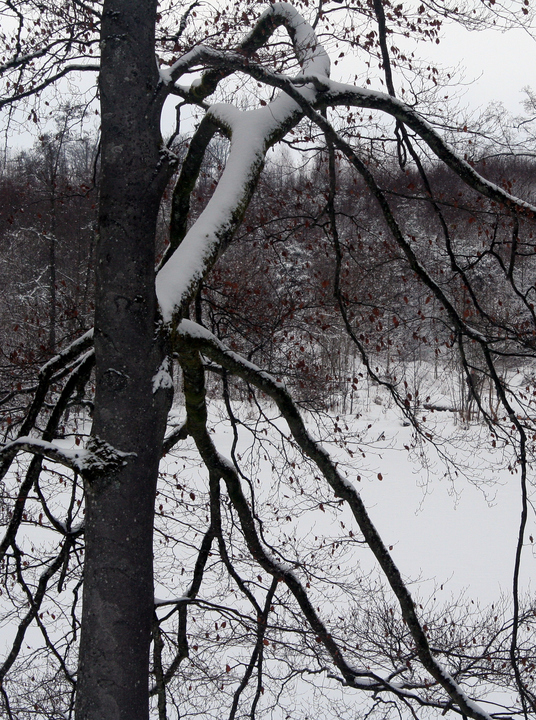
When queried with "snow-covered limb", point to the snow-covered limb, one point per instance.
{"points": [[179, 277], [339, 94], [221, 468], [252, 133], [202, 340], [95, 458], [74, 459], [188, 329], [174, 601], [309, 52], [78, 346], [53, 368], [333, 94]]}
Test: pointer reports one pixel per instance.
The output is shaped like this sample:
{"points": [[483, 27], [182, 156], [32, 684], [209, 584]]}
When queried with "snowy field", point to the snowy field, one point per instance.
{"points": [[451, 526], [454, 524]]}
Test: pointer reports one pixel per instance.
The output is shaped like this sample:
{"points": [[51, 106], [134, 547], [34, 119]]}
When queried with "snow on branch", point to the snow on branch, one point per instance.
{"points": [[73, 350], [74, 459], [82, 355], [252, 133], [221, 468], [339, 94], [97, 457], [309, 52], [333, 94]]}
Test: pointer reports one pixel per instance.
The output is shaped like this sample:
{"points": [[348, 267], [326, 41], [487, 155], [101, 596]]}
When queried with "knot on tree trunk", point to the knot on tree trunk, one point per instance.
{"points": [[102, 460]]}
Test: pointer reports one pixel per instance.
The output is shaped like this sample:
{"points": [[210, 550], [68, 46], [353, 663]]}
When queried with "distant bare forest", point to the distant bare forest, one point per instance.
{"points": [[276, 291]]}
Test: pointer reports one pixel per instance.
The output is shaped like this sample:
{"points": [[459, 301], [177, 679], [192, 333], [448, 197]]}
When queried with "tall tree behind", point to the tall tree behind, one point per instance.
{"points": [[47, 236]]}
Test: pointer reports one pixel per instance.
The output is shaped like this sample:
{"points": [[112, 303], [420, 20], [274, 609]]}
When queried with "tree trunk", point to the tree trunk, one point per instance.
{"points": [[129, 415]]}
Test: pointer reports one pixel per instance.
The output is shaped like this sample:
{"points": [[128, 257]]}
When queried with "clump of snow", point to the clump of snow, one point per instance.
{"points": [[102, 456], [162, 379]]}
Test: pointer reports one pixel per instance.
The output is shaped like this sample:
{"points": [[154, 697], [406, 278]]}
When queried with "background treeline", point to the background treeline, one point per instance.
{"points": [[277, 292], [47, 238], [312, 295]]}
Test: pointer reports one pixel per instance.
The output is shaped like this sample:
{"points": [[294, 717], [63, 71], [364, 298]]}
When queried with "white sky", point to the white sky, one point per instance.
{"points": [[500, 64]]}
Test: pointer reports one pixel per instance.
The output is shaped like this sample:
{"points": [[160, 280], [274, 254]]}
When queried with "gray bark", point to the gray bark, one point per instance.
{"points": [[129, 416]]}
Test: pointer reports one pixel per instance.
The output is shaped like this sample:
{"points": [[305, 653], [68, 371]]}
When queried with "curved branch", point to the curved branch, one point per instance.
{"points": [[195, 405], [80, 373], [35, 604], [309, 52], [188, 349], [252, 134], [34, 90], [200, 339], [191, 167], [333, 94]]}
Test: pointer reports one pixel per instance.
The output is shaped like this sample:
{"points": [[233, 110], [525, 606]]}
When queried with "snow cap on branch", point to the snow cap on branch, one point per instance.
{"points": [[252, 132]]}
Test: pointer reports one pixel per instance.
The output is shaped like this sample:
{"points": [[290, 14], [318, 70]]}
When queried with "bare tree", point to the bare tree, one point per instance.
{"points": [[142, 327], [46, 258]]}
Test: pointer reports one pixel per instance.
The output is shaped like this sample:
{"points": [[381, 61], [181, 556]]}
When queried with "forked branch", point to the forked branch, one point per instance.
{"points": [[200, 340]]}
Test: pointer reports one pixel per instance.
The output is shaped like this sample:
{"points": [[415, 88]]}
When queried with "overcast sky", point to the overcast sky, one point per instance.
{"points": [[501, 64]]}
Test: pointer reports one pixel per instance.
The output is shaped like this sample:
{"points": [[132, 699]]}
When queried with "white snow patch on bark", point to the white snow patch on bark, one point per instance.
{"points": [[162, 378]]}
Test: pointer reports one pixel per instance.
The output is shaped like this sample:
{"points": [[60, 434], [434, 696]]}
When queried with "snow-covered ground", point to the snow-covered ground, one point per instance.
{"points": [[451, 527]]}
